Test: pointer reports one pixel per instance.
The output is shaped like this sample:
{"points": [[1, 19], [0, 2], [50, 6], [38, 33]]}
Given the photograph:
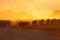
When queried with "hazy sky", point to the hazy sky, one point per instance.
{"points": [[36, 5], [33, 7]]}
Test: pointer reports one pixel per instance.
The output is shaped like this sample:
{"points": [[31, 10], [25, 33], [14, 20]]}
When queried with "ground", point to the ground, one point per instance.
{"points": [[27, 34]]}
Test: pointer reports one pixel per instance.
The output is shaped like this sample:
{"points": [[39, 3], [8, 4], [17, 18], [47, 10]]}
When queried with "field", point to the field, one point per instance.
{"points": [[27, 34]]}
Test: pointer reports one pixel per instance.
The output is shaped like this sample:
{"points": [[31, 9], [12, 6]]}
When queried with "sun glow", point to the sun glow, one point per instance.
{"points": [[29, 9]]}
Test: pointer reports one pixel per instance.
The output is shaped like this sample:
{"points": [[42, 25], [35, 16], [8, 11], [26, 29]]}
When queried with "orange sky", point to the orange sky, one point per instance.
{"points": [[32, 9]]}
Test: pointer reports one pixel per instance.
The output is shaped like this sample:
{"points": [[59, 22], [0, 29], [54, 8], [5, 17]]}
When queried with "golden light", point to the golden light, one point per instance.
{"points": [[29, 9]]}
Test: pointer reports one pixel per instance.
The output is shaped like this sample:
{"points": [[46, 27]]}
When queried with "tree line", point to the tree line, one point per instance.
{"points": [[35, 24]]}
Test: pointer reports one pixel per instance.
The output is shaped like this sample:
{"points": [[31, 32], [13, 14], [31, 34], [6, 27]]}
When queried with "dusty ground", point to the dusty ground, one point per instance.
{"points": [[20, 34]]}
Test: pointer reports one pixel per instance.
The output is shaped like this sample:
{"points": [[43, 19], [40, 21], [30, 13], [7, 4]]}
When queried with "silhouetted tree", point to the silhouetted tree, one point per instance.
{"points": [[5, 23], [23, 24], [58, 23], [48, 24], [41, 23], [34, 23], [1, 23], [54, 24], [8, 22]]}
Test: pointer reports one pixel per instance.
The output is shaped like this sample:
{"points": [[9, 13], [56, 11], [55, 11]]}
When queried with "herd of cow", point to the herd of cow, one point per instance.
{"points": [[35, 24]]}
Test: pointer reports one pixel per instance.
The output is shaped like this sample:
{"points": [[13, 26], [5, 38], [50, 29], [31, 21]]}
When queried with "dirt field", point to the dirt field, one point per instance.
{"points": [[23, 34]]}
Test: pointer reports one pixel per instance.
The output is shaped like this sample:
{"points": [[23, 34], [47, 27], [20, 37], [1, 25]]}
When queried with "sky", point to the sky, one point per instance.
{"points": [[38, 9]]}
